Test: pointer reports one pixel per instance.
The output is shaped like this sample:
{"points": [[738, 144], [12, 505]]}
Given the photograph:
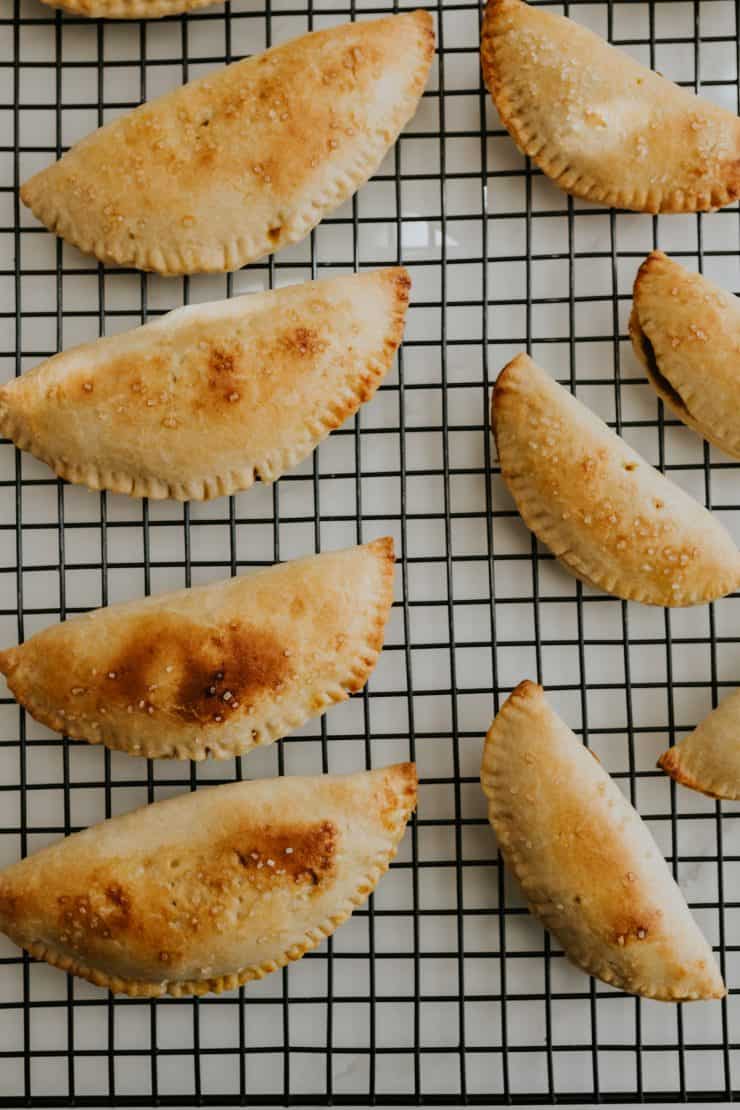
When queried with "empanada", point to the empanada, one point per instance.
{"points": [[214, 670], [244, 160], [588, 866], [601, 125], [708, 760], [686, 332], [211, 889], [128, 9], [610, 517], [206, 399]]}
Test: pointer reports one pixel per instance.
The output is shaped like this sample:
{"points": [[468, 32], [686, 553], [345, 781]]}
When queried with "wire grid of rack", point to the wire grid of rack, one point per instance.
{"points": [[443, 989]]}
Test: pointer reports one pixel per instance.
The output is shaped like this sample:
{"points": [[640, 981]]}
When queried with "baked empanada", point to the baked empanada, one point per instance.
{"points": [[610, 517], [686, 332], [242, 161], [211, 889], [128, 9], [708, 760], [206, 399], [588, 866], [601, 125], [214, 670]]}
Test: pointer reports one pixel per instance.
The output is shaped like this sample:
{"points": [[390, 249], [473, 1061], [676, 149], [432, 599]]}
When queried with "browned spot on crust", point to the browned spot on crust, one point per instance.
{"points": [[402, 282], [302, 342], [630, 928], [301, 854], [220, 361], [154, 905], [224, 371], [399, 794], [196, 674]]}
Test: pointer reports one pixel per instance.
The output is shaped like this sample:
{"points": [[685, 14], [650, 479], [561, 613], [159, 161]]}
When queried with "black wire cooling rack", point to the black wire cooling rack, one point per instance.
{"points": [[443, 989]]}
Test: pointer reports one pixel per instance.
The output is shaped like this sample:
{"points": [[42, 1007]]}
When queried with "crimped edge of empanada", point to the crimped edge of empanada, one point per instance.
{"points": [[265, 730], [551, 531], [512, 105], [525, 698], [672, 763], [44, 200], [135, 988], [645, 353], [357, 392]]}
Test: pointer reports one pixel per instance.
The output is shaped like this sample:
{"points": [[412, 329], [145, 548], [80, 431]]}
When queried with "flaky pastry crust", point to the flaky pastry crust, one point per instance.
{"points": [[588, 866], [609, 517], [602, 126], [244, 161], [207, 399], [215, 670], [212, 889]]}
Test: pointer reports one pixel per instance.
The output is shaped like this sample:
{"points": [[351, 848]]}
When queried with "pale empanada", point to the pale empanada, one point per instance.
{"points": [[588, 866], [209, 890], [601, 125], [708, 759], [686, 332], [245, 160], [206, 399], [610, 517], [215, 670]]}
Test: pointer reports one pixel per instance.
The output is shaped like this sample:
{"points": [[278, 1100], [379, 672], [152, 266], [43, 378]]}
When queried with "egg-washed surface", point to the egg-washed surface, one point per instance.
{"points": [[215, 670], [212, 889], [588, 866], [211, 397], [601, 125], [245, 160]]}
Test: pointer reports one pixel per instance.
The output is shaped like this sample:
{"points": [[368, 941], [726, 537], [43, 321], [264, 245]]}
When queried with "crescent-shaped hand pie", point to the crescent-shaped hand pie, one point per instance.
{"points": [[214, 670], [242, 161], [209, 890], [206, 399], [685, 331], [127, 9], [601, 125], [588, 866], [612, 519], [708, 760]]}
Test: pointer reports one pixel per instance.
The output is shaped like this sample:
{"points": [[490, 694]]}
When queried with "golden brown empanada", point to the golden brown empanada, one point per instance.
{"points": [[209, 890], [686, 332], [245, 160], [588, 866], [214, 670], [128, 9], [206, 399], [708, 760], [610, 517], [601, 125]]}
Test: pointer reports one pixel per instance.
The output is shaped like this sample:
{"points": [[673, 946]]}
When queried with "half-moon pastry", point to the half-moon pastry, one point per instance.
{"points": [[601, 125], [214, 670], [209, 890], [708, 760], [609, 517], [588, 866], [127, 9], [244, 160], [685, 331], [206, 399]]}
